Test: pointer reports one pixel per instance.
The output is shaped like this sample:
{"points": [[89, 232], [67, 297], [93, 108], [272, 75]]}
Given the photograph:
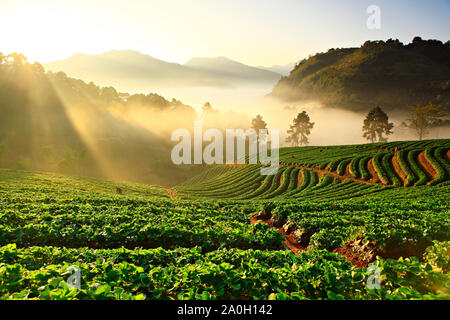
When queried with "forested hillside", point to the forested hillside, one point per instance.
{"points": [[389, 74], [56, 123]]}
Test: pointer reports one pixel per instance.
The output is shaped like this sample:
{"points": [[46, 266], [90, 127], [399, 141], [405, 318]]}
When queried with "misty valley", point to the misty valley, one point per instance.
{"points": [[54, 122], [224, 151]]}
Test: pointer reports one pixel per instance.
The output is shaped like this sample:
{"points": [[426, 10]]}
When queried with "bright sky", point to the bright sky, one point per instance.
{"points": [[255, 32]]}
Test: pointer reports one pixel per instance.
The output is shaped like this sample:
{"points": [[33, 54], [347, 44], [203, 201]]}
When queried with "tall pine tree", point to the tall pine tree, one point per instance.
{"points": [[376, 124]]}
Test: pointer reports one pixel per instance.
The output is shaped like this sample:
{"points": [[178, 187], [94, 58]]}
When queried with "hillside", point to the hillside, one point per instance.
{"points": [[389, 74], [329, 173], [308, 236], [53, 122], [131, 70]]}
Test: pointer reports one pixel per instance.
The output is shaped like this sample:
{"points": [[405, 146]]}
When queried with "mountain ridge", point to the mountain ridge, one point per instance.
{"points": [[124, 68], [389, 74]]}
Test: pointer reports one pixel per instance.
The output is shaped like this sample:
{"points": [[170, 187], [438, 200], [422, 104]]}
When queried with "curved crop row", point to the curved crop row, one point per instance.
{"points": [[240, 189], [208, 174], [402, 157], [438, 153], [223, 186], [351, 190], [293, 179], [312, 181], [362, 165], [382, 174], [330, 187], [286, 175], [276, 182], [247, 183], [332, 166], [223, 180], [343, 188], [354, 166], [441, 172], [305, 175], [422, 177], [266, 184], [342, 166], [386, 162], [323, 182]]}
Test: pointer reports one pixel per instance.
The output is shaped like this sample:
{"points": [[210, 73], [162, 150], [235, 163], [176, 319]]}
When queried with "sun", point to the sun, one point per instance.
{"points": [[42, 33]]}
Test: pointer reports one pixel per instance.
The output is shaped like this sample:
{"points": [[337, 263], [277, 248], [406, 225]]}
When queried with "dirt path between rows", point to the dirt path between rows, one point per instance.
{"points": [[372, 171], [375, 177], [289, 241], [398, 170], [299, 178], [282, 178], [347, 170], [349, 253], [429, 169], [324, 172], [172, 194]]}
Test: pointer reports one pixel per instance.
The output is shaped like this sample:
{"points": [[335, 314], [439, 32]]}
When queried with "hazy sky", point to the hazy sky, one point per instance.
{"points": [[256, 32]]}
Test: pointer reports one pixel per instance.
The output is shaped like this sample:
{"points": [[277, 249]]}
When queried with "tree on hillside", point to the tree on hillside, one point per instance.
{"points": [[207, 107], [300, 130], [376, 124], [208, 110], [421, 118], [259, 124]]}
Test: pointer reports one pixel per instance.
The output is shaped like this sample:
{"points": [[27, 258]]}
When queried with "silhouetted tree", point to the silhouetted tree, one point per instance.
{"points": [[211, 117], [422, 118], [300, 130], [376, 124], [47, 119], [259, 124], [207, 107], [109, 94]]}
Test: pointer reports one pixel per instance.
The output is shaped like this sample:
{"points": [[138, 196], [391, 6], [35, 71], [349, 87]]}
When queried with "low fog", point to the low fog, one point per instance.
{"points": [[237, 106], [52, 122]]}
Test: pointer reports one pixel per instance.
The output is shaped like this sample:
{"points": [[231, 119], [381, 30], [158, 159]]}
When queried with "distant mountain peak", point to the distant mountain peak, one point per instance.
{"points": [[229, 67], [117, 52], [133, 68], [210, 60]]}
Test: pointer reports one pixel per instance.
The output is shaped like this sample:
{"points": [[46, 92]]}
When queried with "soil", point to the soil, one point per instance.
{"points": [[350, 255], [358, 252], [172, 193], [375, 179], [282, 178], [323, 172], [426, 164], [289, 241], [299, 179], [372, 171], [347, 170], [398, 170], [348, 251]]}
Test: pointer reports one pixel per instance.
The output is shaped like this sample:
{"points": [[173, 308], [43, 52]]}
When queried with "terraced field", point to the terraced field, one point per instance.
{"points": [[339, 172], [314, 230]]}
